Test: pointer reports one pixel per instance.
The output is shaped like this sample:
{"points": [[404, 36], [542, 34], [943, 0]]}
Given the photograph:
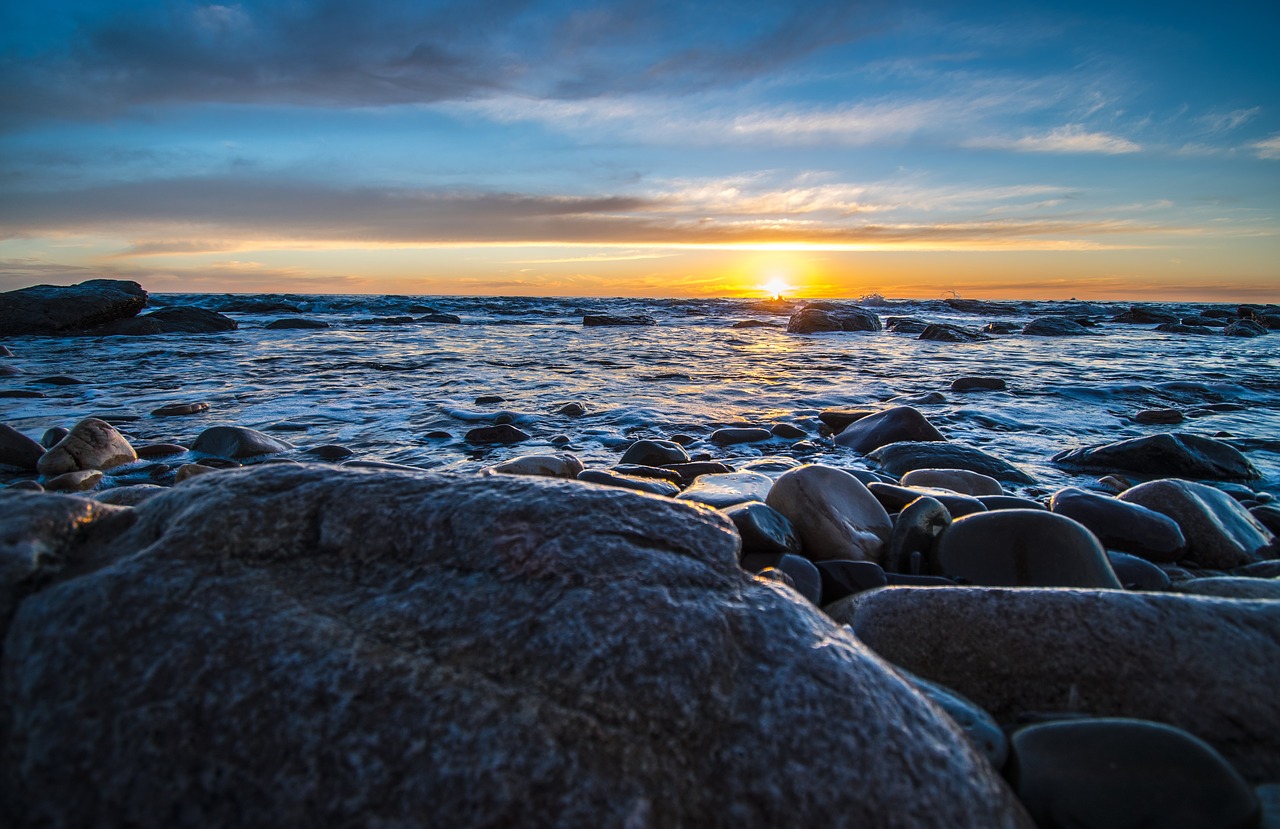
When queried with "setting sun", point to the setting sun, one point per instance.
{"points": [[776, 288]]}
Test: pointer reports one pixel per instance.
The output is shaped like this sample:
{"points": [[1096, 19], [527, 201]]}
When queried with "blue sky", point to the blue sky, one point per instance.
{"points": [[1102, 150]]}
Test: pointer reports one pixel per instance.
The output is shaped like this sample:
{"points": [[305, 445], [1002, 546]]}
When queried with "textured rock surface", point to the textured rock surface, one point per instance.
{"points": [[1121, 525], [945, 333], [1219, 532], [237, 442], [1051, 326], [1204, 665], [898, 459], [812, 320], [956, 480], [835, 514], [51, 309], [1232, 587], [295, 646], [179, 320], [92, 444], [655, 453], [763, 529], [901, 423], [1166, 455]]}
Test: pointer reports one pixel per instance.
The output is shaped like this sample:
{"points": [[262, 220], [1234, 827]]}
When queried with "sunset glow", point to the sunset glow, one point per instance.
{"points": [[552, 148]]}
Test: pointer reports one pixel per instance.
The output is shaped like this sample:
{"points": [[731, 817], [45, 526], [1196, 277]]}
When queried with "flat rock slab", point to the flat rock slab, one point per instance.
{"points": [[290, 646], [1200, 664], [1173, 455], [897, 459]]}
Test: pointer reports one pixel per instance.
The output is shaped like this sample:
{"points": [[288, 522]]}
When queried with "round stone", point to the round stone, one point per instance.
{"points": [[605, 477], [550, 466], [179, 409], [972, 383], [894, 498], [17, 451], [956, 480], [916, 529], [92, 444], [655, 453], [835, 514], [1219, 532], [1137, 573], [763, 529], [901, 423], [731, 436], [844, 578], [498, 433], [330, 452], [1122, 525], [728, 489], [237, 442]]}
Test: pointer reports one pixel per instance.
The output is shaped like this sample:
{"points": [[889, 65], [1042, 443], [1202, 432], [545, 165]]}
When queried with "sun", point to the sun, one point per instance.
{"points": [[776, 288]]}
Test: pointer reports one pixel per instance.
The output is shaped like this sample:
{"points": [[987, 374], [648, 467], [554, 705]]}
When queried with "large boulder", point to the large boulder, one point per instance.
{"points": [[1053, 326], [287, 646], [1219, 532], [17, 451], [56, 309], [812, 320], [177, 320], [1166, 455], [1122, 525], [1203, 665], [900, 423]]}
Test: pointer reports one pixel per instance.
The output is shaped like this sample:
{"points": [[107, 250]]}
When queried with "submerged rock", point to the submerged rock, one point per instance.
{"points": [[1170, 454], [53, 309], [813, 320], [177, 320], [292, 646], [303, 324], [901, 423], [498, 433], [977, 383]]}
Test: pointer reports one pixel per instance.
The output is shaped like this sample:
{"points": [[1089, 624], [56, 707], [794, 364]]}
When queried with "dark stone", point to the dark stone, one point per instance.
{"points": [[572, 410], [727, 489], [894, 498], [1173, 455], [979, 306], [1180, 328], [5, 352], [1021, 548], [905, 325], [1001, 328], [1158, 416], [606, 477], [58, 380], [844, 578], [1219, 532], [278, 325], [159, 450], [980, 727], [912, 580], [897, 459], [498, 433], [754, 324], [10, 371], [811, 320], [52, 309], [1137, 573], [994, 502], [803, 575], [1232, 587], [1143, 315], [901, 423], [384, 321], [490, 399], [730, 436], [641, 471], [1053, 326], [180, 409], [840, 418], [1268, 515], [979, 384], [763, 529], [53, 435], [176, 320], [788, 431], [692, 469], [246, 305], [25, 394], [330, 452], [655, 453], [1244, 328], [1269, 569], [237, 442], [607, 319], [944, 333], [446, 319], [1118, 773], [17, 451], [929, 398], [1122, 525], [915, 531]]}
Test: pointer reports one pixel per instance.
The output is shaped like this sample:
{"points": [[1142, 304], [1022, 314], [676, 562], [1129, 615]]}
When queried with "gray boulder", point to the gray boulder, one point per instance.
{"points": [[178, 320], [1052, 326], [237, 442], [56, 309], [897, 459], [1171, 455], [91, 444], [1219, 532], [1244, 328], [900, 423], [288, 646], [1203, 665], [1121, 525], [812, 320], [945, 333]]}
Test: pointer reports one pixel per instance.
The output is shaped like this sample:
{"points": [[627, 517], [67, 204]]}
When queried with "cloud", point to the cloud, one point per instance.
{"points": [[1072, 138], [1268, 148]]}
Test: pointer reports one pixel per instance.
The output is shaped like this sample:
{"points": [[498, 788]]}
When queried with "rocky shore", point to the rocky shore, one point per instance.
{"points": [[244, 630]]}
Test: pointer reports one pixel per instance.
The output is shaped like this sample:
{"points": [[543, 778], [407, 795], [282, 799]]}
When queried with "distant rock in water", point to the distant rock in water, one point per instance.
{"points": [[175, 320], [1145, 315], [819, 317], [945, 333], [1244, 328], [53, 309], [978, 306], [596, 320], [754, 324], [447, 319], [1001, 328], [295, 323], [1173, 455], [905, 325], [237, 442], [1052, 326], [1180, 328]]}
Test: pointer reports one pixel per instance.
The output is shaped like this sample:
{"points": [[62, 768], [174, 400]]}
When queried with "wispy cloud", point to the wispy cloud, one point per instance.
{"points": [[1267, 148], [1072, 138]]}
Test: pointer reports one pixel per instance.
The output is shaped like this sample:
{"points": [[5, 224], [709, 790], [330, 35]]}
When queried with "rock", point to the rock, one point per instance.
{"points": [[956, 480], [1021, 548], [638, 471], [1268, 515], [191, 470], [1204, 665], [905, 325], [5, 352], [687, 472], [728, 489], [787, 431], [52, 435], [1232, 587], [1219, 532], [25, 394], [894, 498], [840, 418], [176, 320], [979, 306], [897, 459], [330, 452], [753, 324], [129, 496], [1158, 416], [489, 399], [994, 502], [979, 384], [1001, 328], [10, 371], [574, 409], [802, 576], [1137, 573], [1180, 328], [58, 380], [1170, 454], [1143, 315], [944, 333], [438, 318], [159, 450], [92, 444], [24, 486], [498, 433], [1269, 569], [17, 451], [1244, 328], [915, 532], [563, 465], [764, 530], [51, 309], [475, 667], [1122, 525], [901, 423], [812, 320], [81, 480], [930, 398], [980, 727], [772, 463], [1126, 773], [237, 442], [605, 477], [305, 324], [730, 436], [835, 514], [655, 453], [180, 409], [842, 578], [1053, 326], [607, 319]]}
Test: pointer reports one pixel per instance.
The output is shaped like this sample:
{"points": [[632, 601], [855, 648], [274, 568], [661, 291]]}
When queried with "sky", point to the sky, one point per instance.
{"points": [[1117, 150]]}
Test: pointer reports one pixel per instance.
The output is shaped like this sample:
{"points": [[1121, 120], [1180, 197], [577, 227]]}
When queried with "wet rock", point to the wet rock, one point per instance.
{"points": [[606, 477], [1001, 328], [894, 498], [764, 530], [5, 352], [51, 309], [842, 578], [299, 323], [655, 453], [180, 409], [25, 394], [731, 436], [24, 486], [176, 320], [930, 398], [1021, 548], [787, 431], [1159, 416], [574, 409], [129, 496], [802, 576], [480, 647], [1054, 326], [1244, 328], [840, 418], [728, 489], [915, 532], [994, 502], [440, 319], [1268, 515], [92, 444], [591, 320], [10, 371], [1126, 773], [980, 727], [640, 471], [237, 442], [980, 306], [81, 480], [59, 380], [330, 452], [956, 480], [563, 465], [945, 333], [1180, 328], [498, 433], [975, 383], [1269, 569], [812, 320], [1136, 573], [901, 423], [1174, 455], [1122, 525], [905, 325], [1219, 532], [1144, 315], [897, 459], [772, 463], [52, 435], [835, 514], [1204, 665], [17, 451], [1232, 587], [687, 472], [753, 324]]}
